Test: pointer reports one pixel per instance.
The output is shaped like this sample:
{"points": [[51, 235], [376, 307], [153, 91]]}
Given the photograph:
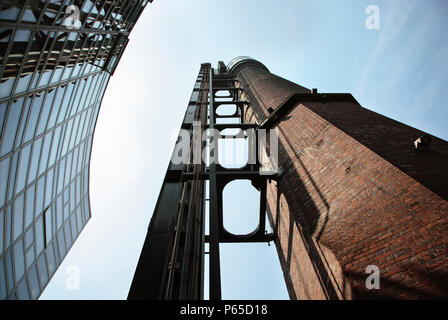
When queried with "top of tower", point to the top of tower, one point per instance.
{"points": [[238, 63]]}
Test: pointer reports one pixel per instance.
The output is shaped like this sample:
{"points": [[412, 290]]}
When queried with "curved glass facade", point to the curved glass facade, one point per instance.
{"points": [[55, 63]]}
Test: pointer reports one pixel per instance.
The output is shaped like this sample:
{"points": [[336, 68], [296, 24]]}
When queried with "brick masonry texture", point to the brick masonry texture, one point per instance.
{"points": [[354, 193]]}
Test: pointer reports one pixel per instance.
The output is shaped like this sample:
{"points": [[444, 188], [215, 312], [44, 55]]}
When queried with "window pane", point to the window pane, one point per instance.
{"points": [[29, 257], [33, 118], [33, 282], [39, 232], [68, 132], [61, 243], [46, 108], [48, 225], [18, 216], [50, 259], [68, 237], [61, 175], [8, 213], [1, 232], [23, 168], [22, 125], [10, 276], [19, 261], [34, 164], [56, 106], [29, 211], [22, 290], [65, 103], [3, 108], [4, 173], [54, 146], [29, 238], [12, 178], [42, 269], [45, 152], [40, 196], [48, 189], [59, 212], [73, 226], [7, 139], [10, 14], [2, 280]]}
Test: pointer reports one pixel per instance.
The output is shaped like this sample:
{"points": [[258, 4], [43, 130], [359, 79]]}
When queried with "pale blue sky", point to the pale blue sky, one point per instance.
{"points": [[399, 71]]}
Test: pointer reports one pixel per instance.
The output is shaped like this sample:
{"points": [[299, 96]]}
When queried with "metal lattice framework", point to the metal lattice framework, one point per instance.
{"points": [[171, 265]]}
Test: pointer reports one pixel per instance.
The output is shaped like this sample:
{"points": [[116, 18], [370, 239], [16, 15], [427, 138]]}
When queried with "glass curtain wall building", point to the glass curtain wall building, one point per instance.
{"points": [[56, 58]]}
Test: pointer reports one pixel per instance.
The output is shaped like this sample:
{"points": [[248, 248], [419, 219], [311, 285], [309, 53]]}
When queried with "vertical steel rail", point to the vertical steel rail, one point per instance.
{"points": [[215, 272]]}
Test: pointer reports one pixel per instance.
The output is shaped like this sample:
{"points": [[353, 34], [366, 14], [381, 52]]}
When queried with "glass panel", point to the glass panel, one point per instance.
{"points": [[79, 92], [10, 276], [18, 216], [56, 107], [42, 269], [45, 152], [8, 213], [78, 220], [59, 212], [74, 132], [45, 78], [68, 132], [34, 164], [86, 123], [61, 175], [28, 16], [68, 235], [6, 87], [78, 66], [9, 134], [10, 14], [40, 195], [67, 72], [19, 261], [73, 226], [4, 173], [33, 282], [21, 128], [3, 108], [55, 146], [3, 291], [48, 225], [57, 74], [65, 103], [86, 208], [45, 113], [33, 118], [87, 89], [29, 211], [49, 188], [72, 197], [75, 163], [29, 257], [39, 229], [81, 127], [12, 177], [23, 83], [22, 290], [29, 238], [2, 221], [49, 253], [61, 243], [68, 171], [23, 168]]}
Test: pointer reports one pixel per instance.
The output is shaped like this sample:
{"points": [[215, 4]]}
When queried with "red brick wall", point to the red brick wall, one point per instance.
{"points": [[354, 193]]}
